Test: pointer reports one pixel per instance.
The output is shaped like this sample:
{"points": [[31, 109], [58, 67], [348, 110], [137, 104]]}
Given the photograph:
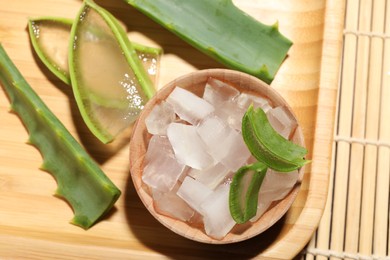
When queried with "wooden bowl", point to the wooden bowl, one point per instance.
{"points": [[195, 83]]}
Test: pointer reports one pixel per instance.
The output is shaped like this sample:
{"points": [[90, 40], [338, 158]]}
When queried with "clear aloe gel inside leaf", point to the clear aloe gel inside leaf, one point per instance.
{"points": [[52, 40], [50, 37], [150, 58], [151, 63], [107, 89]]}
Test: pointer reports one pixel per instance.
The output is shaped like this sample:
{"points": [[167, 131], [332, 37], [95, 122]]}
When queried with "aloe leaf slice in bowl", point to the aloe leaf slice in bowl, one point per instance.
{"points": [[109, 82], [222, 31], [50, 38], [244, 191], [268, 146]]}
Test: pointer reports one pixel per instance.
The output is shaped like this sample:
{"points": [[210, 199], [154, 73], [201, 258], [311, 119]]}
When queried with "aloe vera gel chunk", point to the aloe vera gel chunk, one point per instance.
{"points": [[110, 85]]}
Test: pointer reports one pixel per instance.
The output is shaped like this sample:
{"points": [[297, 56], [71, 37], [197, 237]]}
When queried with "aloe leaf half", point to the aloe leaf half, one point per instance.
{"points": [[268, 146], [50, 38], [80, 180], [244, 191], [109, 82], [224, 32]]}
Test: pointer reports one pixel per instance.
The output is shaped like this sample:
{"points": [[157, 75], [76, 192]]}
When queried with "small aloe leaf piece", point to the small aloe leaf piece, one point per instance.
{"points": [[80, 180], [224, 32], [244, 191], [50, 38], [268, 146], [109, 82]]}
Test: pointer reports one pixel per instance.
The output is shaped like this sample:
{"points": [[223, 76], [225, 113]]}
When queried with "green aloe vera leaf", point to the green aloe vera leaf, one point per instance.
{"points": [[103, 63], [244, 191], [50, 39], [80, 180], [222, 31], [268, 146]]}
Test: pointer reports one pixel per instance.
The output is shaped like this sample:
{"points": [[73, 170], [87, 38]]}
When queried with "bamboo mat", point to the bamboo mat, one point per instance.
{"points": [[355, 224]]}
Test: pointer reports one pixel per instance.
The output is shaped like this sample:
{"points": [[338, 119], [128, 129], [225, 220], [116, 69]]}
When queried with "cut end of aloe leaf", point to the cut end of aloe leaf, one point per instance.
{"points": [[108, 80], [81, 221]]}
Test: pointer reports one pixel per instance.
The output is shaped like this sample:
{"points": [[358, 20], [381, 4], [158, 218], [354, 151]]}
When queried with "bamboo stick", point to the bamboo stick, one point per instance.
{"points": [[344, 129], [311, 244], [372, 128], [358, 131], [381, 228], [324, 229]]}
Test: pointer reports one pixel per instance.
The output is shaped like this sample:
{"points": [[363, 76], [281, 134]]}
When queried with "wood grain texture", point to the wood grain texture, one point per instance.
{"points": [[35, 223]]}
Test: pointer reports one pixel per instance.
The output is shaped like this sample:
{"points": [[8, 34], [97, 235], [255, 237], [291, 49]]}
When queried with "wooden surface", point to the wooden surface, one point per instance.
{"points": [[34, 223]]}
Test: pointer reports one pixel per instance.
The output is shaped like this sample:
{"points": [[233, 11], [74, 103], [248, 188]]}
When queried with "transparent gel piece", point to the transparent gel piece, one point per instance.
{"points": [[282, 121], [188, 147], [224, 144], [193, 193], [275, 186], [217, 92], [189, 106], [159, 118], [211, 176], [216, 214], [171, 205], [162, 170], [231, 114], [244, 100]]}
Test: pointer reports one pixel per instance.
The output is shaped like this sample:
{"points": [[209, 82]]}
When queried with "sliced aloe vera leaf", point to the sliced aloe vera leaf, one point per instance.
{"points": [[109, 82], [50, 39], [244, 191], [80, 180], [268, 146], [222, 31]]}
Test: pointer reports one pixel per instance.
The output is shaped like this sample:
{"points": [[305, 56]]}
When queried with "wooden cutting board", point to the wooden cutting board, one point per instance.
{"points": [[35, 224]]}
